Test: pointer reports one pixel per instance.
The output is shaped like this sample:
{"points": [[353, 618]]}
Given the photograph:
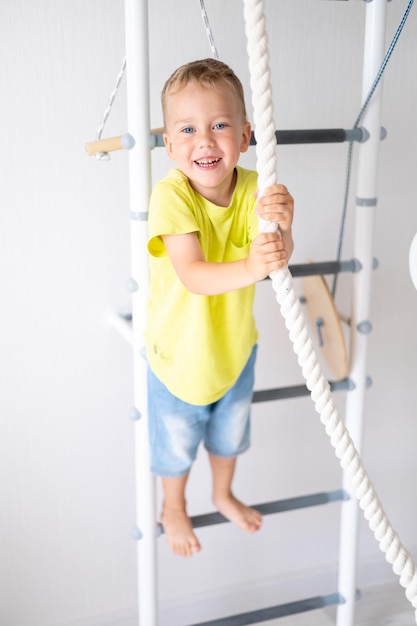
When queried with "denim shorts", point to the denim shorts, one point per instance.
{"points": [[176, 428]]}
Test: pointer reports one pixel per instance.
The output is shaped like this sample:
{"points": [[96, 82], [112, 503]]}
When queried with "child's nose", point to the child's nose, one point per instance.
{"points": [[207, 139]]}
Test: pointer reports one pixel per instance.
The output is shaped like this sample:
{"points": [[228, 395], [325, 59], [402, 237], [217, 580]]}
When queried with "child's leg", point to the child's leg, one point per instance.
{"points": [[174, 519], [175, 431], [243, 516]]}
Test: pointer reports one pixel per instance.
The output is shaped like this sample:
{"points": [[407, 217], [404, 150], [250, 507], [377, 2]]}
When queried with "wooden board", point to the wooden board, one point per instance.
{"points": [[326, 324]]}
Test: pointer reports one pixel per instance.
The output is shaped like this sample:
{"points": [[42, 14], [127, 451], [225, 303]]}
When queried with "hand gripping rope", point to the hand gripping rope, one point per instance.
{"points": [[389, 543]]}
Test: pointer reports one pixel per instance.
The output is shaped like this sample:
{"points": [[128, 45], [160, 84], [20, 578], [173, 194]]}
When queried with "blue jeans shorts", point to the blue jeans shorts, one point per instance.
{"points": [[176, 428]]}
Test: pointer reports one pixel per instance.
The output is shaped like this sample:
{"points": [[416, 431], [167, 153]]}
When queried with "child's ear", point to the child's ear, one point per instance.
{"points": [[168, 146], [246, 137]]}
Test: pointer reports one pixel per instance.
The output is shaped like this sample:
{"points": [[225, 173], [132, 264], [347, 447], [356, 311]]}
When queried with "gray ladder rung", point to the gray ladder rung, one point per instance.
{"points": [[268, 508], [323, 267], [278, 506], [316, 135], [296, 391], [291, 137], [272, 612]]}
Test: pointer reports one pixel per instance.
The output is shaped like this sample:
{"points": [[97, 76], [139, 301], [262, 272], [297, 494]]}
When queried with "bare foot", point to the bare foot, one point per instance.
{"points": [[179, 532], [243, 516]]}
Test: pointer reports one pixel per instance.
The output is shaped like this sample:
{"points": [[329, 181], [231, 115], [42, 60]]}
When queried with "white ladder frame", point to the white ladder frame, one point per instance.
{"points": [[137, 71]]}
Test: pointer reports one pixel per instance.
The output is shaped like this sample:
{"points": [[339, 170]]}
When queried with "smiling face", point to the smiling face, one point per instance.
{"points": [[205, 133]]}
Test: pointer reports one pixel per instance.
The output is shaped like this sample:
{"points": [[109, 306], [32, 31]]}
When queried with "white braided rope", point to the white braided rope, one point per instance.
{"points": [[388, 540]]}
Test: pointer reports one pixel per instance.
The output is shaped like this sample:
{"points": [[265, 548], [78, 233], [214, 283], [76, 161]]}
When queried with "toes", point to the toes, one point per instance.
{"points": [[196, 547], [250, 517], [185, 548]]}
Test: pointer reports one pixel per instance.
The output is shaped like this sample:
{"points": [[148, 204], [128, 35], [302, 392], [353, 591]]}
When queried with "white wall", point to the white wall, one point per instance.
{"points": [[66, 462]]}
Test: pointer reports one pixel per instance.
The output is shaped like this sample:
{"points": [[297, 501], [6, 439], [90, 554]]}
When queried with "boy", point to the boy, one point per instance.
{"points": [[206, 256]]}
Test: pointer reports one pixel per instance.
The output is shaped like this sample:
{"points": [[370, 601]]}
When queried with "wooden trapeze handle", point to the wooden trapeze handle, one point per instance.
{"points": [[122, 142]]}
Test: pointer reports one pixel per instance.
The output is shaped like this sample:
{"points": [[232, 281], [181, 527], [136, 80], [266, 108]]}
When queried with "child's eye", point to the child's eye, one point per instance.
{"points": [[187, 130], [220, 125]]}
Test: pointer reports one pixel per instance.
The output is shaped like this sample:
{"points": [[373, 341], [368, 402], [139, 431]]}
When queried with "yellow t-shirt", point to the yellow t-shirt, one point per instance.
{"points": [[198, 345]]}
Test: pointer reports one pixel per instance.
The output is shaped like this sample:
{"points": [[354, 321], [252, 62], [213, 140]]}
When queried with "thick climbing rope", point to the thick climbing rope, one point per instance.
{"points": [[389, 542]]}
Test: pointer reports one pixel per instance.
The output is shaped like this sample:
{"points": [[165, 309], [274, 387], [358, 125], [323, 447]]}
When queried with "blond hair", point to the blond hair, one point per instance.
{"points": [[207, 73]]}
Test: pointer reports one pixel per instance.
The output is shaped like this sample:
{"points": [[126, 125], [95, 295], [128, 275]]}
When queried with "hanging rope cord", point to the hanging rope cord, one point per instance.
{"points": [[389, 543], [356, 125], [209, 33], [104, 156]]}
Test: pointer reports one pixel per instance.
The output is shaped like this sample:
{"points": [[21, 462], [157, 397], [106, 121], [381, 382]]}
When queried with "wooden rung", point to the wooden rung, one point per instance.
{"points": [[121, 142]]}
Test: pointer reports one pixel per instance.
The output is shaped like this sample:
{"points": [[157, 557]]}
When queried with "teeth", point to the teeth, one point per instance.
{"points": [[208, 162]]}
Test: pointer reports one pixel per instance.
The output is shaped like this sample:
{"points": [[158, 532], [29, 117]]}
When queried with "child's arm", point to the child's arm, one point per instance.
{"points": [[266, 254], [268, 251]]}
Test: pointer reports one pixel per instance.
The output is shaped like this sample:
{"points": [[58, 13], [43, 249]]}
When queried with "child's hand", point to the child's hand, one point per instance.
{"points": [[267, 253], [276, 205]]}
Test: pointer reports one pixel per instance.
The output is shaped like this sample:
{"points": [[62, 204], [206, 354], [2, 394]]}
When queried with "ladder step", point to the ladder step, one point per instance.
{"points": [[291, 137], [263, 615], [296, 391], [322, 268], [268, 508], [279, 506]]}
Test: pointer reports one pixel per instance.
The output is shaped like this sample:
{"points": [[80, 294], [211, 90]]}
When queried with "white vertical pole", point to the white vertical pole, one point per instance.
{"points": [[360, 319], [140, 180]]}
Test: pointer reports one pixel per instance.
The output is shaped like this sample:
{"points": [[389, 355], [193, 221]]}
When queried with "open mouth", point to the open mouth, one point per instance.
{"points": [[207, 162]]}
